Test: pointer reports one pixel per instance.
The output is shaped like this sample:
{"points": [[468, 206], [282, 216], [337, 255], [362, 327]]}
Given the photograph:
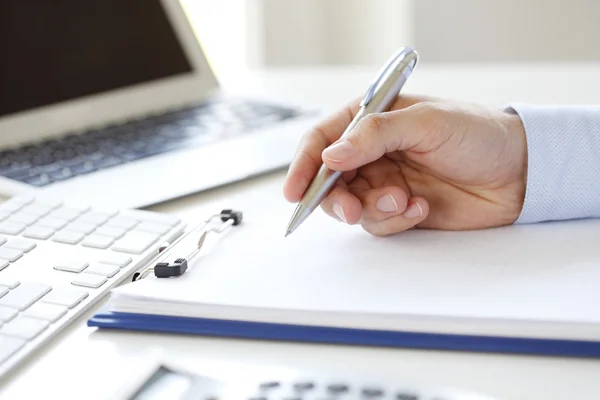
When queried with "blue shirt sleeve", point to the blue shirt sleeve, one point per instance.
{"points": [[563, 171]]}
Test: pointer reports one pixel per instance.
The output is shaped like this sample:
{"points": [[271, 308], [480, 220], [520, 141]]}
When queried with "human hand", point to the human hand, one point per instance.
{"points": [[427, 163]]}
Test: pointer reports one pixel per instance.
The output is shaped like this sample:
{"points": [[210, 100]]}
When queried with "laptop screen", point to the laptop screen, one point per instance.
{"points": [[53, 51]]}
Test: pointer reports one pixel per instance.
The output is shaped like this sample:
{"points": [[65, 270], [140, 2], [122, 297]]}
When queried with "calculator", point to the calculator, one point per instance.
{"points": [[165, 382]]}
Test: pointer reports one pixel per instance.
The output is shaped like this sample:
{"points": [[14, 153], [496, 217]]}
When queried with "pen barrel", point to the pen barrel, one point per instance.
{"points": [[320, 187]]}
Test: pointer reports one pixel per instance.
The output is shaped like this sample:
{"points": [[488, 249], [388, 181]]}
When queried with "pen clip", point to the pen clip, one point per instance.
{"points": [[370, 93]]}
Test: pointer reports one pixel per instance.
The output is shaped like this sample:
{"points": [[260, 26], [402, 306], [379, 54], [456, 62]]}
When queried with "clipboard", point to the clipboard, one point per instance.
{"points": [[571, 336]]}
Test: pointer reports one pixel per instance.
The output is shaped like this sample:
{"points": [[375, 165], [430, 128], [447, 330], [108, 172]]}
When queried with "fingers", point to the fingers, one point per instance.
{"points": [[411, 128], [342, 205], [382, 203], [307, 159], [416, 211], [381, 212]]}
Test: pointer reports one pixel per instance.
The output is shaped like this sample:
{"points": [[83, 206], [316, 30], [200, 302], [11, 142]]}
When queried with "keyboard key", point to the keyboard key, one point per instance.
{"points": [[11, 206], [20, 244], [22, 199], [71, 265], [122, 222], [3, 264], [150, 216], [89, 280], [4, 215], [12, 228], [68, 237], [36, 209], [106, 213], [153, 227], [38, 232], [120, 260], [110, 231], [26, 219], [24, 327], [83, 227], [78, 207], [3, 290], [11, 255], [50, 203], [97, 241], [103, 269], [2, 240], [24, 295], [6, 313], [67, 297], [135, 242], [93, 218], [9, 346], [51, 222], [46, 311], [68, 214], [9, 283]]}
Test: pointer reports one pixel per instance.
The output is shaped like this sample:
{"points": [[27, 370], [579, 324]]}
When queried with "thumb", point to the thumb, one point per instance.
{"points": [[380, 133]]}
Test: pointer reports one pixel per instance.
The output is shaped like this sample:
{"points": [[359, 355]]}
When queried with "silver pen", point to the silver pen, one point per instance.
{"points": [[379, 97]]}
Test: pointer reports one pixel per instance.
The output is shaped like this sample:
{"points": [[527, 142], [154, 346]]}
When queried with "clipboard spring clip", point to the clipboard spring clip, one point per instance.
{"points": [[178, 267]]}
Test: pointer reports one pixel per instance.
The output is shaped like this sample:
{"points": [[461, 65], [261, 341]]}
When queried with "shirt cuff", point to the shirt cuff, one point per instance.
{"points": [[563, 162]]}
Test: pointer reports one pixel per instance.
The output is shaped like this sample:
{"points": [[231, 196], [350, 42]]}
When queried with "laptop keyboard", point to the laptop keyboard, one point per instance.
{"points": [[53, 160]]}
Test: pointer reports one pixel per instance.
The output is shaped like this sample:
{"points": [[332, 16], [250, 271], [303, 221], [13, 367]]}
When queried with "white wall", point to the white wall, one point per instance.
{"points": [[366, 32], [507, 30]]}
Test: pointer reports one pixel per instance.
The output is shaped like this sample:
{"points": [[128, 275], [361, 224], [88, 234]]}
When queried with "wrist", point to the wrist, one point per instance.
{"points": [[517, 139]]}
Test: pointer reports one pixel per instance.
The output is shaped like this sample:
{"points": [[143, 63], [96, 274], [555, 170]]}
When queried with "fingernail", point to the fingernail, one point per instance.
{"points": [[339, 151], [339, 211], [413, 211], [387, 203]]}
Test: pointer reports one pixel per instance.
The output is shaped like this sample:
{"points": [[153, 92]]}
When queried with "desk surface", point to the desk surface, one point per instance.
{"points": [[85, 363]]}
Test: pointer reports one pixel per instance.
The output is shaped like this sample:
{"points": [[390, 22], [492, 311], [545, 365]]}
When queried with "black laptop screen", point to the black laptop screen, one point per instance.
{"points": [[53, 51]]}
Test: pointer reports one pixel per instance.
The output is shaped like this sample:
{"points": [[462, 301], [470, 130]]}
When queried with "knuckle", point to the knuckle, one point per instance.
{"points": [[429, 114], [369, 127]]}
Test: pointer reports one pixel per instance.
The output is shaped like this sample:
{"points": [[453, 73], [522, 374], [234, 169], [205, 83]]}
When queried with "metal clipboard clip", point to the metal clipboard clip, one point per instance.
{"points": [[180, 265]]}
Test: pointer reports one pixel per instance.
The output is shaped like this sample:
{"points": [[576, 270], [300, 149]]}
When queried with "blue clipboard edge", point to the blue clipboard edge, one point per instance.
{"points": [[343, 336]]}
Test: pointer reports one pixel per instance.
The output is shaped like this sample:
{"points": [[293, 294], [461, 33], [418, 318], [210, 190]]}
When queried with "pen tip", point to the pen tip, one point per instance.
{"points": [[287, 233]]}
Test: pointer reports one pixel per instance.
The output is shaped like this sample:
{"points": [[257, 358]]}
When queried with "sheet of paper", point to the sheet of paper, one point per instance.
{"points": [[547, 271]]}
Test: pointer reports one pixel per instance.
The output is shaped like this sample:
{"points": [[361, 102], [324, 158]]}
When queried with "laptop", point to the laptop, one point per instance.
{"points": [[114, 102]]}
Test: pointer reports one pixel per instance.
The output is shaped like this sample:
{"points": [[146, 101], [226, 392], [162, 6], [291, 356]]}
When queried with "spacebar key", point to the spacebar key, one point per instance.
{"points": [[135, 242]]}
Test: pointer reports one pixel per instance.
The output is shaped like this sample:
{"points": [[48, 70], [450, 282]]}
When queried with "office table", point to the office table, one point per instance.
{"points": [[85, 363]]}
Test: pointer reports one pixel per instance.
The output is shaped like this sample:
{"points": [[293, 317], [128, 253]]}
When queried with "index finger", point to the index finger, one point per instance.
{"points": [[307, 160]]}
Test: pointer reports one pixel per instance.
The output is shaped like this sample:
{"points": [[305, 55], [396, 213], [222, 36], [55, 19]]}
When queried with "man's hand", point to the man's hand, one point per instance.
{"points": [[427, 163]]}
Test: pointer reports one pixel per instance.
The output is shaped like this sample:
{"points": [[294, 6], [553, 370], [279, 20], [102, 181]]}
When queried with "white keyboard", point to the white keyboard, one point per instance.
{"points": [[57, 259]]}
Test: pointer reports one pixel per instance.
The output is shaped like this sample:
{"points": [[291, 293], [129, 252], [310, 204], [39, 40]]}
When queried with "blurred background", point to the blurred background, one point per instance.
{"points": [[292, 33]]}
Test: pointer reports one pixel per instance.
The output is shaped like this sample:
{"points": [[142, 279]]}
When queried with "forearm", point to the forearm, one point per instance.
{"points": [[563, 165]]}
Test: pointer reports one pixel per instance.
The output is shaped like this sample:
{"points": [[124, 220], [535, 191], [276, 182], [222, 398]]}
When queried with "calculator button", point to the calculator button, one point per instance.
{"points": [[406, 396], [303, 386], [337, 388], [269, 385], [372, 392]]}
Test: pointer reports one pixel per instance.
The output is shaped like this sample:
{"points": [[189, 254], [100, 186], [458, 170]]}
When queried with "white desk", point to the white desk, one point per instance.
{"points": [[87, 364]]}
